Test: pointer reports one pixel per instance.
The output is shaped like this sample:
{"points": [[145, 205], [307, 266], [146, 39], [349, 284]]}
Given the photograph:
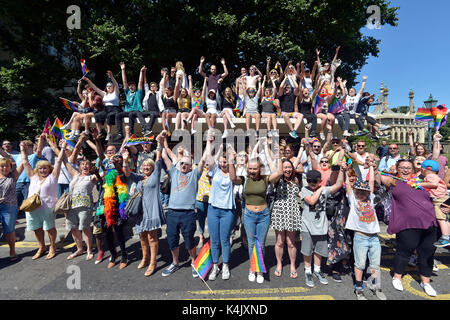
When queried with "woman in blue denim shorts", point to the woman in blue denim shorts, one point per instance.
{"points": [[8, 202], [256, 212]]}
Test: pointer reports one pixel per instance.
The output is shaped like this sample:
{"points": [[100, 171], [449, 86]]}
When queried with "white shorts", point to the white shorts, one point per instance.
{"points": [[212, 111], [229, 111]]}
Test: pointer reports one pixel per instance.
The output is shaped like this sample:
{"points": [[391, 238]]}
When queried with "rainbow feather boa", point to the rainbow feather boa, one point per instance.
{"points": [[115, 190], [413, 182]]}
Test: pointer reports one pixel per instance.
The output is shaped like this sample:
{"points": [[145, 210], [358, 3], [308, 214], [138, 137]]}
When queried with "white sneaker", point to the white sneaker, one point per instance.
{"points": [[214, 273], [384, 127], [428, 289], [397, 283], [251, 276], [193, 131], [108, 137], [346, 134], [232, 125], [225, 272], [435, 267], [259, 278], [225, 134], [66, 126]]}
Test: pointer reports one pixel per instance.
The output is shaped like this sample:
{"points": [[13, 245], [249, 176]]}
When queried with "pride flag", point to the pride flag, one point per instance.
{"points": [[47, 127], [239, 104], [69, 104], [167, 128], [203, 262], [318, 104], [84, 68], [70, 142], [440, 116], [424, 114], [335, 106], [257, 260], [56, 129], [135, 141]]}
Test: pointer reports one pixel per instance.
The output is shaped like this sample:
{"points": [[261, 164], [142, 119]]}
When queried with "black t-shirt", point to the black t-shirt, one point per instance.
{"points": [[305, 107], [287, 102], [228, 104]]}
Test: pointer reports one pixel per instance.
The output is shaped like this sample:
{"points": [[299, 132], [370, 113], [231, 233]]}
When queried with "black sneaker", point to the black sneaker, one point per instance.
{"points": [[119, 136], [336, 277]]}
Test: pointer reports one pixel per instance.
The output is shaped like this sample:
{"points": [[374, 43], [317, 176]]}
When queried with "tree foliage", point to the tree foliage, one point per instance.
{"points": [[40, 56]]}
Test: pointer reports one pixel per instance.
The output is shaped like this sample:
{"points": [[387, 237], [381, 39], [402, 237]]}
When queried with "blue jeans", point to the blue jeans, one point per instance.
{"points": [[256, 223], [164, 198], [8, 217], [220, 224], [21, 192], [184, 221], [202, 212], [364, 246]]}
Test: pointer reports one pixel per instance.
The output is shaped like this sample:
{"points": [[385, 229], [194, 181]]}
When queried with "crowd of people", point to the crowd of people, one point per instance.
{"points": [[330, 192]]}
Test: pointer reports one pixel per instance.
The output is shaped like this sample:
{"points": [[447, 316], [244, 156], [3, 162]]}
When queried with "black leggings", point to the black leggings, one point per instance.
{"points": [[109, 232], [153, 117], [410, 239], [311, 118]]}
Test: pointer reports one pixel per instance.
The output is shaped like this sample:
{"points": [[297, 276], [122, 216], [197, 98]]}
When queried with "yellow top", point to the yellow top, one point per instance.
{"points": [[203, 186]]}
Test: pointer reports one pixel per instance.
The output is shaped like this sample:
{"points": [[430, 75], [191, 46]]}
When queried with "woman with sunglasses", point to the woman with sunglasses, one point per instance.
{"points": [[211, 107], [229, 100], [169, 101], [327, 71], [256, 212], [413, 221], [269, 105], [197, 104], [273, 75], [286, 213], [415, 148], [251, 107]]}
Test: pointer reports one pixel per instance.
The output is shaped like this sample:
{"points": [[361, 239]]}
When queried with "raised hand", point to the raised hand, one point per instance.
{"points": [[268, 59], [317, 51], [122, 65], [202, 59], [222, 61], [109, 73], [364, 78], [337, 49], [143, 69], [125, 154], [160, 138], [189, 77]]}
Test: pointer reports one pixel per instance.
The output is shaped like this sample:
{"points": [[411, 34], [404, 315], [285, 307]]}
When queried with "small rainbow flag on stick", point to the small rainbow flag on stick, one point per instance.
{"points": [[257, 259], [318, 104], [70, 142], [56, 129], [69, 104], [47, 127], [135, 141], [84, 68], [203, 262]]}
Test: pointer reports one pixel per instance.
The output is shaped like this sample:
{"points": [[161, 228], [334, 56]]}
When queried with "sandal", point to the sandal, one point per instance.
{"points": [[277, 273], [294, 275], [50, 255], [38, 254], [150, 270], [75, 254], [89, 256], [123, 263], [143, 263]]}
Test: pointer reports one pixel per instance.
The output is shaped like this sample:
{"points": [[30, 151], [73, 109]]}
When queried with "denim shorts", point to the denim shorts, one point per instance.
{"points": [[366, 246], [184, 221], [8, 217], [40, 218], [79, 218]]}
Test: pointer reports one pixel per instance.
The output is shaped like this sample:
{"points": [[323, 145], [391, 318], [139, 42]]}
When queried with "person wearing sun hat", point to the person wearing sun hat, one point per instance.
{"points": [[362, 219], [438, 193]]}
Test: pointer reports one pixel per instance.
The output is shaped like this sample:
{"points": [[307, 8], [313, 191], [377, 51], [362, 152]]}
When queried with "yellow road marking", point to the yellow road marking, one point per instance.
{"points": [[386, 236], [252, 291], [406, 281], [317, 297]]}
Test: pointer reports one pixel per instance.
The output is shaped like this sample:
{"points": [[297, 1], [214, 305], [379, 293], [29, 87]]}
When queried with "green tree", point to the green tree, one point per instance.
{"points": [[40, 55]]}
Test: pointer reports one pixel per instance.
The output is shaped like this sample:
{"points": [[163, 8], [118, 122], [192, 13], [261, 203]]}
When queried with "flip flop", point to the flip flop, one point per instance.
{"points": [[277, 273], [74, 255], [89, 256], [150, 270], [294, 275], [50, 255], [38, 255]]}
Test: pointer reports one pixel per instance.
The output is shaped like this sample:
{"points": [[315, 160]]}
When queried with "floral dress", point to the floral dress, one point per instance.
{"points": [[286, 212]]}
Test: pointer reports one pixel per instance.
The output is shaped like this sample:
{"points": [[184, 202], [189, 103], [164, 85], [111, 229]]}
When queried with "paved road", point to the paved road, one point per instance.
{"points": [[41, 279]]}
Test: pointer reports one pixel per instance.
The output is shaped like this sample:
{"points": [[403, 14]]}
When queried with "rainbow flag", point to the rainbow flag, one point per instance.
{"points": [[84, 68], [203, 262], [439, 114], [135, 141], [318, 104], [239, 104], [168, 128], [47, 127], [69, 104], [257, 260], [70, 142], [423, 114], [56, 129], [335, 106]]}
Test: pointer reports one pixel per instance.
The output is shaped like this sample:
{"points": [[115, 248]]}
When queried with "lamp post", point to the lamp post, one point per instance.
{"points": [[430, 103]]}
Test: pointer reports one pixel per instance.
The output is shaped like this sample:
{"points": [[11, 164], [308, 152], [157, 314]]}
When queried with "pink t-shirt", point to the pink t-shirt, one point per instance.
{"points": [[441, 190], [49, 190]]}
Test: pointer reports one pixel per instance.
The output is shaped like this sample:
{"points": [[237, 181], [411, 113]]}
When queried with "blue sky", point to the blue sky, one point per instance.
{"points": [[415, 54]]}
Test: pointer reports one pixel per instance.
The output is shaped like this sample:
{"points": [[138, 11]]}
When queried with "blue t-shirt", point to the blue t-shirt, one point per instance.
{"points": [[183, 189], [134, 100], [32, 159], [221, 193]]}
